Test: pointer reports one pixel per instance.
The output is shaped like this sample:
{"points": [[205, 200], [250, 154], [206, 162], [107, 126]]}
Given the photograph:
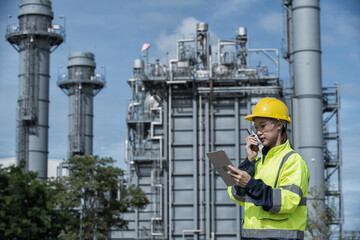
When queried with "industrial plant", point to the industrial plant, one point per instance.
{"points": [[196, 104], [182, 109]]}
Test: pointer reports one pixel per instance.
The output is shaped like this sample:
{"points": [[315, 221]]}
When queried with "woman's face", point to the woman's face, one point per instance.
{"points": [[268, 131]]}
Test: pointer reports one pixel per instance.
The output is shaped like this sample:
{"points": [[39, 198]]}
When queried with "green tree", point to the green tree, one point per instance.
{"points": [[90, 193], [27, 206], [352, 235], [320, 217]]}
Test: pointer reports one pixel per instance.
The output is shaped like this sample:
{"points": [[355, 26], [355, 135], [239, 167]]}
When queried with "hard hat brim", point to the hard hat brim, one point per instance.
{"points": [[252, 116]]}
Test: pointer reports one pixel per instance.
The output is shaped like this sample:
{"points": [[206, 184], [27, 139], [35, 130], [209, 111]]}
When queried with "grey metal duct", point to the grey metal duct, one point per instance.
{"points": [[81, 85], [34, 37], [307, 102], [307, 98]]}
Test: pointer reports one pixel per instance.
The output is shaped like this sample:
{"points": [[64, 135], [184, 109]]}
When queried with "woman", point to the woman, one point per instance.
{"points": [[272, 188]]}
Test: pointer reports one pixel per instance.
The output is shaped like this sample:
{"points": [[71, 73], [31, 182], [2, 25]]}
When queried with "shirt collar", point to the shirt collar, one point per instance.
{"points": [[266, 151]]}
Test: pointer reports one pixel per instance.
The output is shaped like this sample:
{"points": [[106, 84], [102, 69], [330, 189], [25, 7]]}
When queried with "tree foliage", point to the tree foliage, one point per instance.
{"points": [[352, 234], [91, 192], [27, 206], [320, 216]]}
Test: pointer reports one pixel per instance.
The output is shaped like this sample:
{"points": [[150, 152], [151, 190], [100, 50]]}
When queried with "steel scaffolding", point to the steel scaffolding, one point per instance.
{"points": [[333, 160]]}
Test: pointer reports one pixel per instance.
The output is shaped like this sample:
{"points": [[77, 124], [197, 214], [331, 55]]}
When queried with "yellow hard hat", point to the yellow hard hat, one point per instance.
{"points": [[270, 108]]}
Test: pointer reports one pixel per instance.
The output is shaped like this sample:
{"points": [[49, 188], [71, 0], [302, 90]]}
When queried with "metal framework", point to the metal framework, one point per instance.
{"points": [[333, 159]]}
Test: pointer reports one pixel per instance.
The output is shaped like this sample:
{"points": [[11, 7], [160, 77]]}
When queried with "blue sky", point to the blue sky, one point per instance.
{"points": [[115, 30]]}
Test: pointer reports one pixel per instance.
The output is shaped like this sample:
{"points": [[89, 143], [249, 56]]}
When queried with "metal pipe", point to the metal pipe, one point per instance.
{"points": [[166, 195], [171, 69], [207, 170], [221, 43], [169, 148], [307, 85], [339, 150], [276, 60], [178, 45], [170, 161], [190, 231], [293, 103], [212, 148], [201, 163], [237, 155], [160, 138], [240, 90], [195, 165], [308, 103], [157, 185], [136, 223]]}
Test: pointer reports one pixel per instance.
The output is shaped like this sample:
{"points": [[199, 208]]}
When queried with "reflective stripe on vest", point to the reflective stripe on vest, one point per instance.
{"points": [[285, 158], [272, 233], [248, 199], [237, 197], [292, 188], [276, 191]]}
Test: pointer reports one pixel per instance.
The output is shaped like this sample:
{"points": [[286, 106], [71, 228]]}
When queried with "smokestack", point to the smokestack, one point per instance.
{"points": [[308, 87], [307, 103], [34, 37], [81, 85], [241, 40], [202, 44]]}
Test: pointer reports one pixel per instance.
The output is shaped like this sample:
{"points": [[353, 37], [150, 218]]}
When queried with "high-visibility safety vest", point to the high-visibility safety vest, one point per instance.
{"points": [[286, 172]]}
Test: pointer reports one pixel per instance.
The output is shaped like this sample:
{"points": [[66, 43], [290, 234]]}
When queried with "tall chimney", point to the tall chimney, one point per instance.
{"points": [[81, 85], [34, 37], [307, 102], [308, 86]]}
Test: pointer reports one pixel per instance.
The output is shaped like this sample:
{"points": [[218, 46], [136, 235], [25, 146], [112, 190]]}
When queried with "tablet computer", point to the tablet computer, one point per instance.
{"points": [[220, 161]]}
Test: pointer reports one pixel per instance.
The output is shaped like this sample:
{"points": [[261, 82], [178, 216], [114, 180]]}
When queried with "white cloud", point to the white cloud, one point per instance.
{"points": [[166, 43]]}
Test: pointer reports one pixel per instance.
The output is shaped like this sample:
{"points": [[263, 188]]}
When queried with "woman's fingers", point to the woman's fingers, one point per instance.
{"points": [[240, 177]]}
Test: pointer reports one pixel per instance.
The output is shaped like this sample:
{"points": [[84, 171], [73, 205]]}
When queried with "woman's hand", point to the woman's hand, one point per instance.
{"points": [[240, 177], [252, 147]]}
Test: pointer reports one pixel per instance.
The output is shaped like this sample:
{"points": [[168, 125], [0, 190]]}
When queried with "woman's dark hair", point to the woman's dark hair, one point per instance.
{"points": [[284, 136]]}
